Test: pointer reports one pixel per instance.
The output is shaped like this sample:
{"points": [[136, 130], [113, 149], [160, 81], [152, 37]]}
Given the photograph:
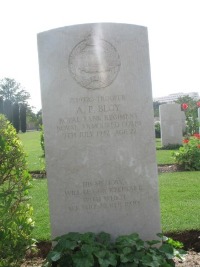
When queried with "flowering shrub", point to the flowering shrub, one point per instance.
{"points": [[15, 213], [184, 106], [188, 156], [192, 123]]}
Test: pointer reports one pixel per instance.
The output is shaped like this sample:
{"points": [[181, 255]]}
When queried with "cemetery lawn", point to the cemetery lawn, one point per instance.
{"points": [[39, 201], [179, 201], [31, 143]]}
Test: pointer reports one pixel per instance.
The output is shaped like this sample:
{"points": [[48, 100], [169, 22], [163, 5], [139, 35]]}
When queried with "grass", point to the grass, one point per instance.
{"points": [[179, 192], [180, 201], [164, 157], [31, 143], [40, 205]]}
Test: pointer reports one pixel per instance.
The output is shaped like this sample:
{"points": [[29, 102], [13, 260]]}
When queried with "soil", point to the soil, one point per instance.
{"points": [[190, 239]]}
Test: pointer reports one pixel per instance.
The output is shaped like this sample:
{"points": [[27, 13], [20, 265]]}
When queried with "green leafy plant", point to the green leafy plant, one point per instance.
{"points": [[157, 130], [42, 139], [90, 250], [188, 156], [170, 147], [15, 212]]}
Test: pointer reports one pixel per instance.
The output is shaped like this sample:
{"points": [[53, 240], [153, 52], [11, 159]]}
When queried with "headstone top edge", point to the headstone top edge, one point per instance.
{"points": [[92, 24]]}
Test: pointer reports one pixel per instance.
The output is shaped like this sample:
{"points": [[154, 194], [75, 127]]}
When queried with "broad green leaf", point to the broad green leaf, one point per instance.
{"points": [[106, 259], [82, 260], [168, 250], [54, 255], [88, 249], [104, 238]]}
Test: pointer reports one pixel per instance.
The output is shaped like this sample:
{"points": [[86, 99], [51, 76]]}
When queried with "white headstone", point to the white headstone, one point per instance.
{"points": [[171, 124], [183, 121], [199, 118], [99, 129]]}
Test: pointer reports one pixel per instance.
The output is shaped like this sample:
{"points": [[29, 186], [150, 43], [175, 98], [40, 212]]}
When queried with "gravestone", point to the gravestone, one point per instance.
{"points": [[199, 118], [183, 121], [99, 130], [171, 124]]}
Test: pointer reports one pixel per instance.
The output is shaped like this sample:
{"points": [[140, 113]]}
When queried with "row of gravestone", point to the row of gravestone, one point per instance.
{"points": [[173, 124], [15, 113]]}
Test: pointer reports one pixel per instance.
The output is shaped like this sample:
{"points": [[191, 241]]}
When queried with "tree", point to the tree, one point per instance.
{"points": [[15, 116], [1, 105], [13, 91], [34, 118], [23, 118], [8, 109]]}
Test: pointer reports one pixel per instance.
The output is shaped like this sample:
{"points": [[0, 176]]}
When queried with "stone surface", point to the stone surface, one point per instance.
{"points": [[171, 124], [183, 121], [199, 118], [99, 130]]}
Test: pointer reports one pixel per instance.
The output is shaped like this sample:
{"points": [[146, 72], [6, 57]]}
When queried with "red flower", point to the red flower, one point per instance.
{"points": [[196, 135], [198, 104], [184, 106], [185, 141]]}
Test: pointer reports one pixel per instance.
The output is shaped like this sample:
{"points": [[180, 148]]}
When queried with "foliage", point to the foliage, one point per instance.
{"points": [[188, 156], [90, 250], [8, 109], [34, 118], [170, 147], [1, 105], [23, 117], [42, 139], [157, 130], [190, 107], [15, 116], [15, 212], [13, 91], [156, 105]]}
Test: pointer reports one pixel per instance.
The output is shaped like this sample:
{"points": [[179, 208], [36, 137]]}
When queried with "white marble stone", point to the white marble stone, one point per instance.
{"points": [[183, 121], [171, 124], [199, 118], [99, 129]]}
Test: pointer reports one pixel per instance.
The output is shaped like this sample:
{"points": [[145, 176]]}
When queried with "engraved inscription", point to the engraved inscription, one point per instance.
{"points": [[98, 117], [103, 194], [94, 63]]}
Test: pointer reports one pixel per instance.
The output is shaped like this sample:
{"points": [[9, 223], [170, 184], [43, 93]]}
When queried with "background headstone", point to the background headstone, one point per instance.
{"points": [[199, 118], [171, 124], [99, 129], [183, 121]]}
